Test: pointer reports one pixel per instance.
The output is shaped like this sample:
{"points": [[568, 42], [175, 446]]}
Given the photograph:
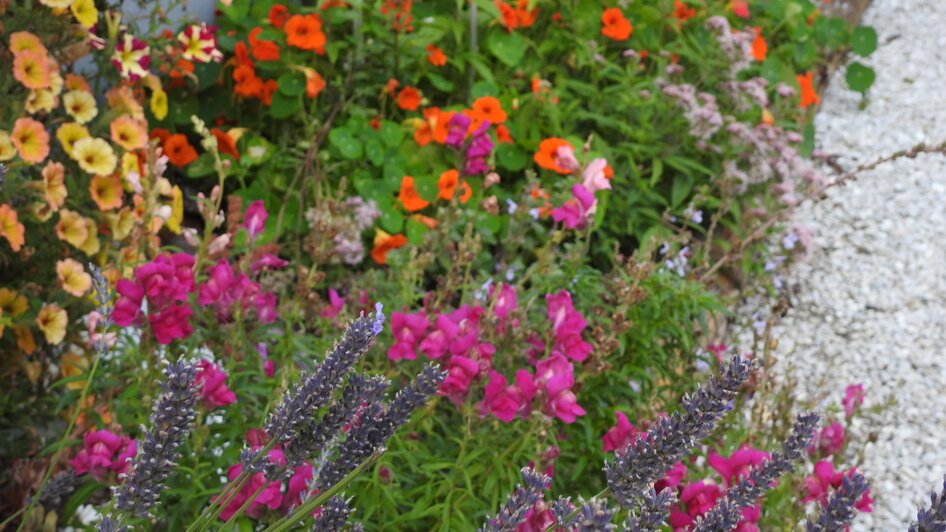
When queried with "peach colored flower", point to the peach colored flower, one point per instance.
{"points": [[80, 105], [70, 133], [129, 133], [121, 99], [29, 68], [24, 41], [31, 140], [10, 228], [52, 320], [54, 186], [72, 227], [73, 277], [106, 191], [91, 245], [7, 149]]}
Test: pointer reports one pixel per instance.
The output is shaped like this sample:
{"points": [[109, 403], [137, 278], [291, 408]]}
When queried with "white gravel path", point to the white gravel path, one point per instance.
{"points": [[871, 307]]}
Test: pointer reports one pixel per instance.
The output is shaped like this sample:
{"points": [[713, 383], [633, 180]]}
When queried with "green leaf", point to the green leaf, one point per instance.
{"points": [[346, 144], [680, 191], [808, 140], [426, 187], [392, 220], [292, 83], [415, 231], [483, 88], [511, 157], [181, 110], [391, 133], [202, 166], [830, 31], [256, 150], [440, 83], [864, 40], [508, 47], [284, 106], [375, 151], [805, 54], [859, 77]]}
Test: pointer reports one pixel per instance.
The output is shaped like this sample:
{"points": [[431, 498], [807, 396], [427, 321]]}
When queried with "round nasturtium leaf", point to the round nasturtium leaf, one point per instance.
{"points": [[859, 77], [864, 40]]}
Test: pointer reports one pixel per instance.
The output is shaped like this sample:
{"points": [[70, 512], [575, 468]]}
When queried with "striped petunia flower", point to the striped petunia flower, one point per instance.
{"points": [[200, 43], [132, 57]]}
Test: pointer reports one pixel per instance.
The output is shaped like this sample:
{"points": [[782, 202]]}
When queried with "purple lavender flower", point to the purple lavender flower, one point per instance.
{"points": [[934, 518], [840, 510], [655, 509], [513, 512], [378, 325], [334, 515], [60, 486], [595, 516]]}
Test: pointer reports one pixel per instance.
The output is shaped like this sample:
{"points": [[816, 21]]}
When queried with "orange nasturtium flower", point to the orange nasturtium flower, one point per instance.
{"points": [[73, 277], [409, 197], [502, 134], [547, 156], [52, 320], [759, 47], [54, 186], [278, 15], [447, 183], [106, 191], [466, 192], [179, 151], [808, 94], [305, 32], [262, 50], [489, 108], [682, 12], [614, 25], [30, 139], [435, 56], [129, 133], [383, 242], [10, 228], [225, 143], [408, 99], [509, 18], [314, 83]]}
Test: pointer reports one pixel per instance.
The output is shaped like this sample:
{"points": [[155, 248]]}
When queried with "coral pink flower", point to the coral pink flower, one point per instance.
{"points": [[594, 178], [213, 386], [270, 497], [620, 435], [853, 398], [738, 464], [254, 221], [408, 329], [102, 452]]}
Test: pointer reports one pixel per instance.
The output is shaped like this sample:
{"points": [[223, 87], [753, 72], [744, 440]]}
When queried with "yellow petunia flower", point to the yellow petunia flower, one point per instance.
{"points": [[40, 101], [54, 186], [121, 223], [7, 149], [159, 104], [80, 105], [52, 320], [129, 133], [41, 210], [56, 4], [91, 245], [95, 156], [70, 133], [72, 364], [177, 210], [73, 277], [72, 227], [13, 304], [106, 191], [85, 12], [121, 99], [10, 228]]}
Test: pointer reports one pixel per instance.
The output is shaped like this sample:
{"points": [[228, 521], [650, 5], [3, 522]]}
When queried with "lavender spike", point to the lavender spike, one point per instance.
{"points": [[513, 513], [934, 518]]}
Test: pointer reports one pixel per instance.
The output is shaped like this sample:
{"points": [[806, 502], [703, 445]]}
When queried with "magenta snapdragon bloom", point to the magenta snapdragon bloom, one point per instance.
{"points": [[408, 329], [539, 518], [577, 210], [504, 305], [593, 177], [102, 452], [829, 440], [436, 344], [460, 373], [672, 478], [555, 375], [479, 148], [818, 486], [128, 305], [565, 158], [567, 325], [270, 497], [298, 485], [166, 282], [171, 323], [853, 398], [226, 289], [269, 367], [212, 381], [620, 435], [267, 261], [457, 127], [505, 402], [254, 221], [698, 498], [335, 305], [132, 57], [166, 279], [738, 464]]}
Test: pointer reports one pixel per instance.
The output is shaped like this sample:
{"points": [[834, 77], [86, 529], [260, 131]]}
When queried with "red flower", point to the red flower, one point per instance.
{"points": [[614, 25]]}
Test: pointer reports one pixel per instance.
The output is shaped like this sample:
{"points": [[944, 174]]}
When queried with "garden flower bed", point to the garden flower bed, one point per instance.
{"points": [[226, 249]]}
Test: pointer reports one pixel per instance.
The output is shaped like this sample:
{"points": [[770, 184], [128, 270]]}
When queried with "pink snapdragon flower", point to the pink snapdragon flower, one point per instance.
{"points": [[504, 305], [298, 485], [460, 373], [335, 305], [505, 402], [698, 498], [593, 177], [254, 221], [171, 323], [738, 464], [853, 399], [555, 375], [577, 210], [671, 478], [457, 128], [166, 282], [565, 158], [829, 440], [226, 289], [477, 151], [166, 279], [567, 325], [102, 452], [436, 344], [267, 261], [212, 380], [620, 435], [408, 329], [270, 497]]}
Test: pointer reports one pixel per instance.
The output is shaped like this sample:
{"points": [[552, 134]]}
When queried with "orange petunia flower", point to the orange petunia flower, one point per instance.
{"points": [[502, 134], [614, 25], [106, 191], [759, 47], [408, 99], [808, 94], [179, 151], [547, 156], [305, 32], [54, 186], [447, 183], [683, 12], [435, 56], [25, 340], [225, 143], [262, 50], [29, 68], [314, 83], [129, 133], [278, 15], [11, 228], [24, 41], [383, 243], [73, 277], [75, 82], [410, 200], [489, 108], [52, 320], [30, 139]]}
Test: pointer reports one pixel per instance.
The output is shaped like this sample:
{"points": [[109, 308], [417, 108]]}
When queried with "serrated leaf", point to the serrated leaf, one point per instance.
{"points": [[859, 77], [864, 40]]}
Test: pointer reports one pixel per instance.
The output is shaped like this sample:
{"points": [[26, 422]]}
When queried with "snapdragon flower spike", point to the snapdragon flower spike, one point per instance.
{"points": [[315, 390], [840, 511], [520, 502], [316, 434], [655, 509], [595, 516], [377, 422], [653, 453], [934, 518], [334, 515], [171, 420], [727, 513]]}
